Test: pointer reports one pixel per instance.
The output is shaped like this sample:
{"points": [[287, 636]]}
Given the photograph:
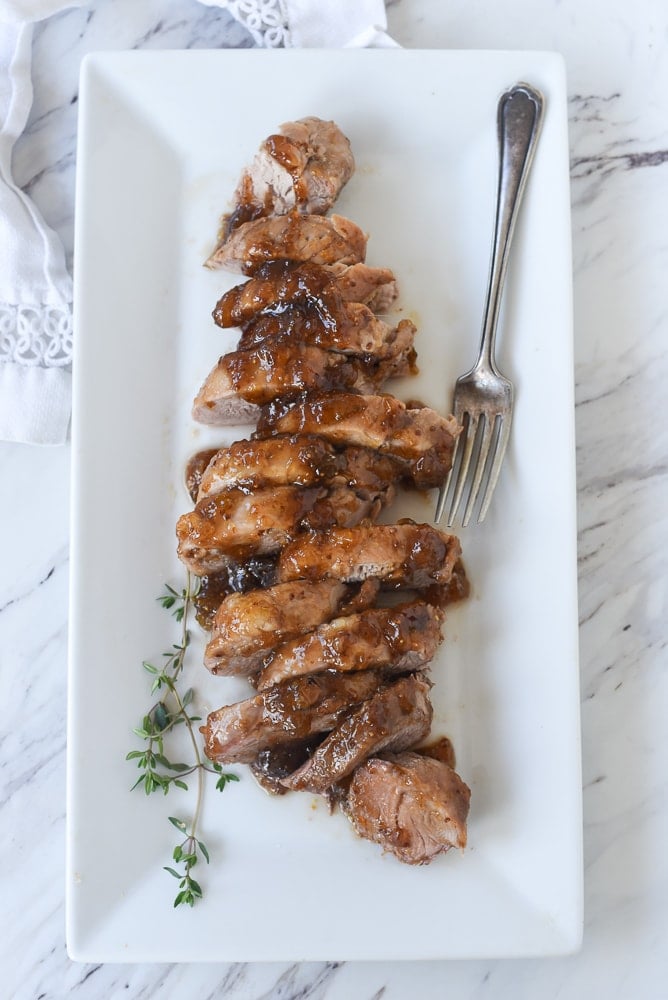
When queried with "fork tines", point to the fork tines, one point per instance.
{"points": [[476, 463]]}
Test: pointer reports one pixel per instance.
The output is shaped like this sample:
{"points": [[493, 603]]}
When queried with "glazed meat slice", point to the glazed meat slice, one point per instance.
{"points": [[244, 380], [395, 718], [419, 438], [351, 329], [282, 284], [239, 522], [303, 166], [319, 159], [300, 459], [295, 710], [397, 639], [293, 237], [413, 806], [265, 373], [247, 626], [400, 555]]}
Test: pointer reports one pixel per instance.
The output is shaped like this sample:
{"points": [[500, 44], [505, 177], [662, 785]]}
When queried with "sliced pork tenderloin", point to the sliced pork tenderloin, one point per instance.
{"points": [[397, 640], [240, 522], [414, 806], [279, 285], [419, 438], [294, 237], [399, 555], [288, 712], [303, 166], [395, 718], [247, 626]]}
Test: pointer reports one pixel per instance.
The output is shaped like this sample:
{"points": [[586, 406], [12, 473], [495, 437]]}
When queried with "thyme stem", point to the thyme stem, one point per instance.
{"points": [[158, 772]]}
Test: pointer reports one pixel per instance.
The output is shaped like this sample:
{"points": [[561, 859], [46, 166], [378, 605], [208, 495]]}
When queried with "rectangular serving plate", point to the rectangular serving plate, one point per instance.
{"points": [[163, 138]]}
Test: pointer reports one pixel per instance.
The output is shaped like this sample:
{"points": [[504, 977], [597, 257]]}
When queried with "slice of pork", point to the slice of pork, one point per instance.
{"points": [[247, 626], [301, 460], [293, 237], [395, 718], [281, 284], [242, 381], [268, 372], [397, 639], [418, 437], [413, 806], [295, 710], [400, 555], [240, 522], [303, 166], [350, 329]]}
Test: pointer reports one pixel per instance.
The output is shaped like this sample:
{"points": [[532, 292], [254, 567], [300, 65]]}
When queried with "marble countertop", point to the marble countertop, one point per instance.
{"points": [[617, 66]]}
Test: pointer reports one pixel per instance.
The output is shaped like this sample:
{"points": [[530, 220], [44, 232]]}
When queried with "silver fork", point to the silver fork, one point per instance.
{"points": [[483, 398]]}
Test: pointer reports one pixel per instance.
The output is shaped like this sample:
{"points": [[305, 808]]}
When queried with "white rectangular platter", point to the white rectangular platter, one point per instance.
{"points": [[163, 138]]}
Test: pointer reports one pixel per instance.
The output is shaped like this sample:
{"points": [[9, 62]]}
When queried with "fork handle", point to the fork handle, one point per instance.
{"points": [[519, 118]]}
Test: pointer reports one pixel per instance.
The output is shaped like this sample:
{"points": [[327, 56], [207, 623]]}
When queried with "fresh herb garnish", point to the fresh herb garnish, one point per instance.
{"points": [[158, 772]]}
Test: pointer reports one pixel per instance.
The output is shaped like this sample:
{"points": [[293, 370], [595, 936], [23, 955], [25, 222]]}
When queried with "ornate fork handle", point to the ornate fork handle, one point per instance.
{"points": [[519, 117]]}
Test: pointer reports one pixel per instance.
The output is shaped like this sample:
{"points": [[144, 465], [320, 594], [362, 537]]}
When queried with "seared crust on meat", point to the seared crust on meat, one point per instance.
{"points": [[412, 805], [247, 626], [302, 460], [421, 439], [285, 369], [282, 284], [351, 329], [294, 237], [268, 372], [395, 718], [299, 459], [395, 639], [283, 713], [238, 523], [400, 555]]}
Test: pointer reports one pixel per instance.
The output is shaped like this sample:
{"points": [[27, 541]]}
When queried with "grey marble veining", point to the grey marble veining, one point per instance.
{"points": [[618, 87]]}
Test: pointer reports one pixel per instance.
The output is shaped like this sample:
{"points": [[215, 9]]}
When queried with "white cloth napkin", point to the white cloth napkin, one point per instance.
{"points": [[35, 288], [326, 24]]}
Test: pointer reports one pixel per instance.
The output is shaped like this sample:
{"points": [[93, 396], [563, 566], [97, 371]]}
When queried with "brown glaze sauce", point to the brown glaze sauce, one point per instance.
{"points": [[195, 469], [276, 286], [275, 763], [440, 749], [285, 370], [237, 577], [291, 156], [456, 589], [327, 694]]}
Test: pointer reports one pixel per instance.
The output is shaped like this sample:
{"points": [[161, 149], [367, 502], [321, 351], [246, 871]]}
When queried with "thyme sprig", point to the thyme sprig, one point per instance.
{"points": [[158, 772]]}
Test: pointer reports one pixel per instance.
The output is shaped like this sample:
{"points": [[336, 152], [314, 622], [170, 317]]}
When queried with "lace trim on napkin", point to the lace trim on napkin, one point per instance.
{"points": [[266, 20], [36, 335]]}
